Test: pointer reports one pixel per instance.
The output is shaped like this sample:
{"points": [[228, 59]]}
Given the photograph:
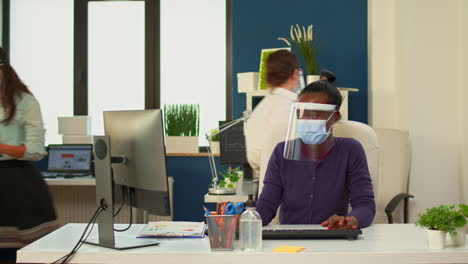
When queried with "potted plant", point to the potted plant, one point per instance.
{"points": [[439, 221], [460, 214], [230, 178], [307, 43], [214, 144], [181, 124]]}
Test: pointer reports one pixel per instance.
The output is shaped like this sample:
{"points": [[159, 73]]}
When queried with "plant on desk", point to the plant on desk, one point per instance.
{"points": [[439, 221], [230, 178], [181, 124], [460, 213]]}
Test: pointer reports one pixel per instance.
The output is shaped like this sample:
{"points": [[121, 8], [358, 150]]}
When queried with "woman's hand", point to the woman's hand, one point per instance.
{"points": [[341, 222], [14, 151]]}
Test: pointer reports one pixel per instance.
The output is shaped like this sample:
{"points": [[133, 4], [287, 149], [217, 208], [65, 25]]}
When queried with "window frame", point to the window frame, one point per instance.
{"points": [[152, 54]]}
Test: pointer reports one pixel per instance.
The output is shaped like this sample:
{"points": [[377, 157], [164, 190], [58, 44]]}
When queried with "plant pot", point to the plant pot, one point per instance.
{"points": [[312, 78], [459, 240], [436, 239], [181, 144], [214, 146]]}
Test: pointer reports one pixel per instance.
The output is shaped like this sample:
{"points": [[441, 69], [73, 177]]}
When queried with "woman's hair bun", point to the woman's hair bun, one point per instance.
{"points": [[331, 77]]}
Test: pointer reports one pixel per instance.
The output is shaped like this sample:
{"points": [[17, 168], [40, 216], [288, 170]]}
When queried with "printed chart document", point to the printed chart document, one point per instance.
{"points": [[173, 229]]}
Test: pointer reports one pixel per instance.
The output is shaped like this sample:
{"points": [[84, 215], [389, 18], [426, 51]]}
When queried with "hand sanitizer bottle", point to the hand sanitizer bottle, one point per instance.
{"points": [[250, 228]]}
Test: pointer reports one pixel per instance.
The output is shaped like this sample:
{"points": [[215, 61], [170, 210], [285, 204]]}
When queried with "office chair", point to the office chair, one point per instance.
{"points": [[394, 171], [389, 158]]}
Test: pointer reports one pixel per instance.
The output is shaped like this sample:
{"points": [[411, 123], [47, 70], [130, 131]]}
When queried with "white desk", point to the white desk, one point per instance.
{"points": [[75, 200], [378, 244], [244, 188], [77, 181]]}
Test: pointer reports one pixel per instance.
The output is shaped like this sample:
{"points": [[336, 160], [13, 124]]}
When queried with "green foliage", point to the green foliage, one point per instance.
{"points": [[444, 218], [230, 177], [182, 120], [215, 138], [307, 44], [463, 209], [263, 71]]}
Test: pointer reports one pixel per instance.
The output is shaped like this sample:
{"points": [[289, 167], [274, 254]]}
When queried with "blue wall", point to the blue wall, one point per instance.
{"points": [[341, 26]]}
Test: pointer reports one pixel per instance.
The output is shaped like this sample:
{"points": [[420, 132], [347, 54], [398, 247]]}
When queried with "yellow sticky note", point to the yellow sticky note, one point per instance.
{"points": [[290, 249]]}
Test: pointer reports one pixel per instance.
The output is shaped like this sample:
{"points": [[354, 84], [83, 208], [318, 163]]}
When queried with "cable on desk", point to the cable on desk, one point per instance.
{"points": [[91, 222]]}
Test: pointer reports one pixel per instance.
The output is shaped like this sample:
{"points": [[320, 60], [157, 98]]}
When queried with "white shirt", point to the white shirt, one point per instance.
{"points": [[266, 127], [26, 128]]}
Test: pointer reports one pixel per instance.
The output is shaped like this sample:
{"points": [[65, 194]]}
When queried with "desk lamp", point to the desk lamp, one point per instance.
{"points": [[209, 136]]}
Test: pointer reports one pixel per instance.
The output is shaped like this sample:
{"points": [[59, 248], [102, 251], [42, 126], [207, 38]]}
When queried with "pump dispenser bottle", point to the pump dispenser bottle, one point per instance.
{"points": [[250, 227]]}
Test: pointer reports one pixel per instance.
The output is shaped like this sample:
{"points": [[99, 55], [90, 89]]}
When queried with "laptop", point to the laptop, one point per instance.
{"points": [[69, 161]]}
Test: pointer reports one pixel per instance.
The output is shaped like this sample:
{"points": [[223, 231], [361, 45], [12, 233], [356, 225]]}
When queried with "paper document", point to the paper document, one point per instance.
{"points": [[173, 229]]}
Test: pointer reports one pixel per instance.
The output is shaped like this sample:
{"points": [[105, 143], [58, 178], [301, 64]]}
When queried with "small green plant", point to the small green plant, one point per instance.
{"points": [[444, 218], [463, 209], [230, 177], [215, 138], [182, 120]]}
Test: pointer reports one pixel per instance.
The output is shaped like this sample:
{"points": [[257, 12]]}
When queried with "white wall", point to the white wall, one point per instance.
{"points": [[464, 80], [416, 85]]}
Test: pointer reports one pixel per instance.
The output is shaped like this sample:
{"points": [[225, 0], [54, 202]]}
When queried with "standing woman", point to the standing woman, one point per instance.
{"points": [[27, 212], [268, 124]]}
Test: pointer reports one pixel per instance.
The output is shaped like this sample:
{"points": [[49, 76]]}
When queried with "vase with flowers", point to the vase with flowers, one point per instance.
{"points": [[305, 41]]}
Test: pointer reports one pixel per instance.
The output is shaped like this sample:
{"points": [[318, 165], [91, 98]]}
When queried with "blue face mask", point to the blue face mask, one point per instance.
{"points": [[311, 131]]}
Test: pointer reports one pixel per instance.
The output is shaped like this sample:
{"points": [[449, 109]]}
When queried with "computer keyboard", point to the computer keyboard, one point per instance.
{"points": [[307, 232]]}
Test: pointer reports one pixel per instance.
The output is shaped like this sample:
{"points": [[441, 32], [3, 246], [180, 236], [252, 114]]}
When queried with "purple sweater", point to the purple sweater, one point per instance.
{"points": [[311, 192]]}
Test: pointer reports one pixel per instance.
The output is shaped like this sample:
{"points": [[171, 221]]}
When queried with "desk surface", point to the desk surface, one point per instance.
{"points": [[378, 244], [77, 181]]}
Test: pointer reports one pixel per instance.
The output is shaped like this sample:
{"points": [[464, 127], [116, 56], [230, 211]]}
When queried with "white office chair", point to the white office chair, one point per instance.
{"points": [[389, 158], [394, 171]]}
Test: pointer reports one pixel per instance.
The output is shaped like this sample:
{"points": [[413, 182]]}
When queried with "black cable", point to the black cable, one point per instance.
{"points": [[67, 257], [122, 202], [131, 216], [80, 242]]}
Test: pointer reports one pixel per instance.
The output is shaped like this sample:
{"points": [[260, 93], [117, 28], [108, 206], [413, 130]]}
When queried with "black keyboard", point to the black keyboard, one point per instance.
{"points": [[308, 233]]}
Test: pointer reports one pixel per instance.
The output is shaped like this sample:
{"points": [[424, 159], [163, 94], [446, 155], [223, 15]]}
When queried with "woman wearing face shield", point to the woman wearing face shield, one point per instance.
{"points": [[268, 123], [313, 175], [26, 206]]}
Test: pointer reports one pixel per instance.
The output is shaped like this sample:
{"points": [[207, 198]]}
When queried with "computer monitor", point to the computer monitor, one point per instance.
{"points": [[138, 136], [130, 158], [232, 148], [70, 158]]}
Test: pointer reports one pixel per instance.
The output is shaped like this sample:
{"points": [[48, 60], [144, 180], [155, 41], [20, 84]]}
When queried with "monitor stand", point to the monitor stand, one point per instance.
{"points": [[104, 195]]}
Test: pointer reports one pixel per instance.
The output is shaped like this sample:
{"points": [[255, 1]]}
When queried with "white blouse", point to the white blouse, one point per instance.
{"points": [[266, 127], [26, 128]]}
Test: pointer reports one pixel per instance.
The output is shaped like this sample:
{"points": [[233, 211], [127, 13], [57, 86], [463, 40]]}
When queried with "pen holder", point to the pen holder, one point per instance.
{"points": [[221, 231]]}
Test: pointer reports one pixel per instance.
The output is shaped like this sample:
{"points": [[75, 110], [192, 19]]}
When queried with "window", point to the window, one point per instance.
{"points": [[193, 58], [41, 51], [116, 58]]}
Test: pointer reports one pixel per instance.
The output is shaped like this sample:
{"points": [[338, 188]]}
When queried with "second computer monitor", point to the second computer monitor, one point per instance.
{"points": [[138, 137]]}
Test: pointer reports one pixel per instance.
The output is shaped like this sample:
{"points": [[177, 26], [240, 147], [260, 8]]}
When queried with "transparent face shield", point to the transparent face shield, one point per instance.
{"points": [[310, 126], [300, 83]]}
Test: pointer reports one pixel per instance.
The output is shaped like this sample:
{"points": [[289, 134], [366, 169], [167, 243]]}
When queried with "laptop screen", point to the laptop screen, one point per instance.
{"points": [[70, 158]]}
